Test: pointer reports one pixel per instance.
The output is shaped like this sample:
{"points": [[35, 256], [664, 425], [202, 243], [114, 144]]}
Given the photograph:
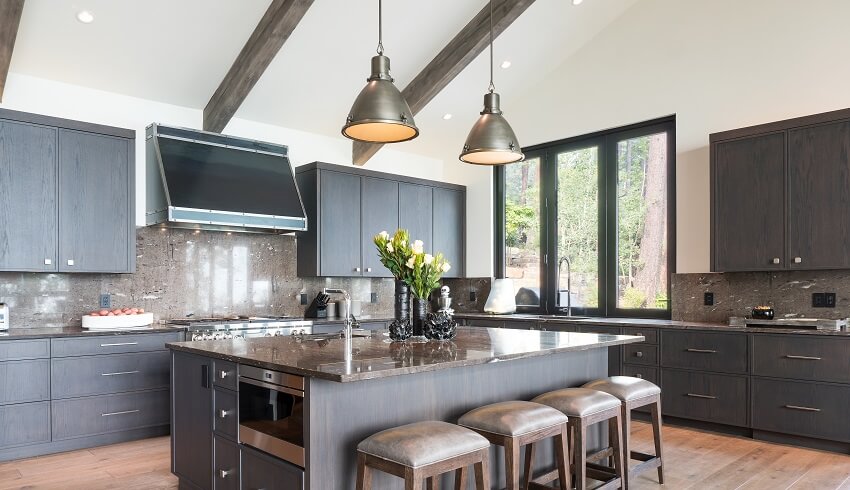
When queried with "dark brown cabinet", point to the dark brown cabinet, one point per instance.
{"points": [[779, 197]]}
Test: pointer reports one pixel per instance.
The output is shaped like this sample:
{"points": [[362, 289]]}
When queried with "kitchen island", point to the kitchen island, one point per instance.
{"points": [[354, 389]]}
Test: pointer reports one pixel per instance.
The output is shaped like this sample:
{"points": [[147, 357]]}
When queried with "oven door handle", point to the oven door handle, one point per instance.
{"points": [[262, 384]]}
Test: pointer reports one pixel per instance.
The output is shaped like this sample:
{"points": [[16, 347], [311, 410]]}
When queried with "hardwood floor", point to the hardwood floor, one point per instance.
{"points": [[694, 460]]}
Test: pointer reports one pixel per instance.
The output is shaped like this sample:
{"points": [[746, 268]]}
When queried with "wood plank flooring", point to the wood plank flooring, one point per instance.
{"points": [[695, 460]]}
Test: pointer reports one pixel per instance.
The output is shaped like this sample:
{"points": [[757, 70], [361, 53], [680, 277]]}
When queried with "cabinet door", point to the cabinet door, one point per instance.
{"points": [[818, 197], [95, 202], [27, 197], [191, 424], [748, 195], [339, 212], [379, 212], [262, 471], [449, 228], [415, 211], [226, 465]]}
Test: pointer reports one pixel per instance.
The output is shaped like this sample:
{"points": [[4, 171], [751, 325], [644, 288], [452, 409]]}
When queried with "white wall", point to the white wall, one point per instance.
{"points": [[40, 96], [717, 65]]}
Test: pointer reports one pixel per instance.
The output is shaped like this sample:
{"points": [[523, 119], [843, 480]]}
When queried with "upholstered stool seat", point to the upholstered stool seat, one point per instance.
{"points": [[514, 424], [635, 393], [424, 450], [585, 407]]}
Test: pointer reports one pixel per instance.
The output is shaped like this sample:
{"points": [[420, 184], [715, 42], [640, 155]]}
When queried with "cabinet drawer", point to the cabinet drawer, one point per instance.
{"points": [[261, 471], [640, 354], [372, 325], [111, 344], [79, 417], [818, 359], [25, 423], [24, 381], [710, 397], [14, 350], [643, 372], [100, 375], [226, 416], [807, 409], [600, 329], [224, 374], [650, 334], [226, 465], [718, 352]]}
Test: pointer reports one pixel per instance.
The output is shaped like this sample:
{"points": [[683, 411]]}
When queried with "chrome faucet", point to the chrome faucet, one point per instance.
{"points": [[569, 286], [347, 330]]}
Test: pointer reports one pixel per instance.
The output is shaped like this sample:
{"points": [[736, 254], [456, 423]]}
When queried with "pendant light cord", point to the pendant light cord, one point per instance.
{"points": [[492, 85], [381, 33]]}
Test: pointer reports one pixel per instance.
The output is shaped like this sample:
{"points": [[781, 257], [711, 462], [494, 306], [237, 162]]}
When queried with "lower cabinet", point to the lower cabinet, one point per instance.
{"points": [[95, 415], [802, 408], [24, 423], [261, 471], [226, 465], [716, 398], [191, 427]]}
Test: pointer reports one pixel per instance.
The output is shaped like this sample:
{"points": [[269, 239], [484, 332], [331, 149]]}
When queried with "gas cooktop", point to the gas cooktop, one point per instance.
{"points": [[243, 327]]}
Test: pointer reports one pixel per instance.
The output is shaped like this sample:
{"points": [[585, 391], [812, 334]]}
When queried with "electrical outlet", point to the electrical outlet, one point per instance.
{"points": [[473, 296], [373, 297], [303, 298], [830, 300], [708, 299], [818, 300], [106, 300]]}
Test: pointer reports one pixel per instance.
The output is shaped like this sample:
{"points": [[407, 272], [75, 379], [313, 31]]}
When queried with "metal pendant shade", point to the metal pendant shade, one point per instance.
{"points": [[380, 114], [491, 141]]}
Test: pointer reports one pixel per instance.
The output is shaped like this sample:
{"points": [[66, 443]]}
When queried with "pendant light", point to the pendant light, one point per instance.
{"points": [[491, 140], [380, 114]]}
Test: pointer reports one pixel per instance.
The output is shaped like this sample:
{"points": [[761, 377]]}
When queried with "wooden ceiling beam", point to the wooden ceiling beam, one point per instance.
{"points": [[457, 55], [271, 33], [10, 19]]}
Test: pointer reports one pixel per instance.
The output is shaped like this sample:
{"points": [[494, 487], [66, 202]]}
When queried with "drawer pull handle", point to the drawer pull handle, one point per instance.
{"points": [[638, 354], [805, 358], [223, 374], [224, 473], [804, 409], [224, 413], [119, 343], [118, 373], [118, 413], [697, 395], [702, 351], [639, 376]]}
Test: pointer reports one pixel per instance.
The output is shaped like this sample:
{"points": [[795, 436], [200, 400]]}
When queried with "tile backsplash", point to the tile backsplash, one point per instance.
{"points": [[182, 272], [736, 293]]}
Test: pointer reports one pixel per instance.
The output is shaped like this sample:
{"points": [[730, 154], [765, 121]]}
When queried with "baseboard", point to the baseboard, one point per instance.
{"points": [[81, 443]]}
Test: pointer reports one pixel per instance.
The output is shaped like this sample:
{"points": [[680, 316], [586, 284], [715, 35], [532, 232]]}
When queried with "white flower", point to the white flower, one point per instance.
{"points": [[384, 235], [428, 259], [418, 247], [402, 243], [410, 262], [446, 267], [390, 247]]}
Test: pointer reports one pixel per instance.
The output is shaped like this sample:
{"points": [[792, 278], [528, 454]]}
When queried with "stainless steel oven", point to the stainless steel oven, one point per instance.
{"points": [[271, 412]]}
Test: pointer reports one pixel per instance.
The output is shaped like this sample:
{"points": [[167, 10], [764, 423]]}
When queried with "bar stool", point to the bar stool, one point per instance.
{"points": [[635, 393], [584, 407], [514, 424], [424, 450]]}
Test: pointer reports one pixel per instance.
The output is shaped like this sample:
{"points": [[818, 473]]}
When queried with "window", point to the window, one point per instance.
{"points": [[587, 223]]}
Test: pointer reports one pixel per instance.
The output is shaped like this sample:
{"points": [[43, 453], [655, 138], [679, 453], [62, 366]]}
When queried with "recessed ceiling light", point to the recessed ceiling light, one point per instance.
{"points": [[506, 64], [447, 116], [85, 17], [577, 2]]}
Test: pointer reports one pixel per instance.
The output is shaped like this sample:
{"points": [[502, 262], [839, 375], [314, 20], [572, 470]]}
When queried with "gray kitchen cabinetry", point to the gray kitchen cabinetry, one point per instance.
{"points": [[779, 195], [226, 475], [191, 422], [262, 471], [709, 397], [346, 207], [66, 195]]}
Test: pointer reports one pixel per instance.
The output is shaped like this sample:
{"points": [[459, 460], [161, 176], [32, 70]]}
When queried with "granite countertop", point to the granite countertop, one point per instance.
{"points": [[646, 322], [376, 357], [49, 332]]}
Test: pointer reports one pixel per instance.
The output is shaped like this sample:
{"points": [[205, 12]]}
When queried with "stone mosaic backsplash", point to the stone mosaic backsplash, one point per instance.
{"points": [[736, 293], [183, 272]]}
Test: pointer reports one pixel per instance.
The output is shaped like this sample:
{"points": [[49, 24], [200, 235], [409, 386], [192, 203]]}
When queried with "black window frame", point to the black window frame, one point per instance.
{"points": [[606, 142]]}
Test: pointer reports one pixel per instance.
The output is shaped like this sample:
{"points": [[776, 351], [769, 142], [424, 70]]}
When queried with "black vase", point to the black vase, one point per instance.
{"points": [[420, 312], [400, 328]]}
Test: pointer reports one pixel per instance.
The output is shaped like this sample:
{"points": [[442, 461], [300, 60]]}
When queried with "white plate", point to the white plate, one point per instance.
{"points": [[117, 322]]}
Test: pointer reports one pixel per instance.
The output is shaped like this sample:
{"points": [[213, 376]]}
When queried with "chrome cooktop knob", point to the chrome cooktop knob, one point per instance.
{"points": [[277, 333]]}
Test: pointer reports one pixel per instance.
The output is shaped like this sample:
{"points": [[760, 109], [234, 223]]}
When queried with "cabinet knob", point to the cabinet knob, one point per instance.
{"points": [[638, 354], [775, 260], [357, 269], [222, 414], [223, 374], [368, 269], [798, 260], [48, 261], [70, 261], [224, 473], [639, 376]]}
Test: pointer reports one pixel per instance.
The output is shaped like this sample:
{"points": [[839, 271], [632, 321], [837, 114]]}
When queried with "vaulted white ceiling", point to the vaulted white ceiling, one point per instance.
{"points": [[177, 51]]}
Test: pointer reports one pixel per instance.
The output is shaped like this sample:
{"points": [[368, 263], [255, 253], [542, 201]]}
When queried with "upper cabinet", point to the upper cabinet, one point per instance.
{"points": [[779, 198], [66, 196], [346, 207]]}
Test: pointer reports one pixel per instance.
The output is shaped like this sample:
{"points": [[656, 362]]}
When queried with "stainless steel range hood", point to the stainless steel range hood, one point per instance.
{"points": [[202, 180]]}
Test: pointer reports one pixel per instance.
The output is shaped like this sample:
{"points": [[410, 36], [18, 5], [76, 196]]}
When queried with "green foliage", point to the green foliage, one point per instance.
{"points": [[394, 251], [519, 223], [633, 298], [425, 271]]}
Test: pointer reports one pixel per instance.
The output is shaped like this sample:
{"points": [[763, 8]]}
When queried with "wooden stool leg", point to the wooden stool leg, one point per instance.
{"points": [[529, 465], [562, 453], [460, 478], [482, 471], [656, 433], [364, 473], [412, 479], [432, 483], [615, 431], [511, 464], [580, 451], [626, 421]]}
